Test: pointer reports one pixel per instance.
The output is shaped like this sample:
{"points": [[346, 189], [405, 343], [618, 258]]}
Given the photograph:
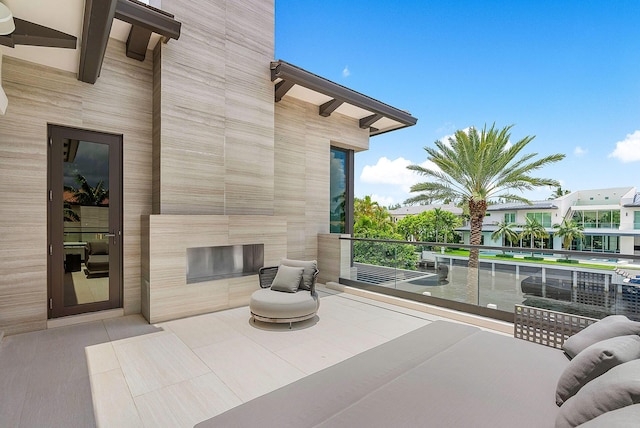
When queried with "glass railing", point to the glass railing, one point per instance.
{"points": [[590, 284]]}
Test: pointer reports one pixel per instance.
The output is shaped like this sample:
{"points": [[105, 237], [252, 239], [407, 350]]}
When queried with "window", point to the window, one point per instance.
{"points": [[509, 218], [542, 218], [607, 219], [636, 220], [341, 191]]}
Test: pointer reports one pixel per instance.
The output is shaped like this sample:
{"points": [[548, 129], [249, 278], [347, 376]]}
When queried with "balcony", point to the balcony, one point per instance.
{"points": [[583, 283], [126, 372]]}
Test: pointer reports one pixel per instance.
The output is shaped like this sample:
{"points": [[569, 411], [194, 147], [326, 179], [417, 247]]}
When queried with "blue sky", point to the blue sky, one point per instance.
{"points": [[567, 72]]}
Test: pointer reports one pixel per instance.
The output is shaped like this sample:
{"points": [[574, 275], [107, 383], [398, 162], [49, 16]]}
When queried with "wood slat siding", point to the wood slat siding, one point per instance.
{"points": [[120, 102]]}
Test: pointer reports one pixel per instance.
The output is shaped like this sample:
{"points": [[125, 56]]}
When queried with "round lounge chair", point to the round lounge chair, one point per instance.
{"points": [[287, 293]]}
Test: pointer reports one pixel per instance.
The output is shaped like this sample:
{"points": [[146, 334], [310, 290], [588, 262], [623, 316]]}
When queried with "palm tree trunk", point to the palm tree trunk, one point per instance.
{"points": [[477, 211]]}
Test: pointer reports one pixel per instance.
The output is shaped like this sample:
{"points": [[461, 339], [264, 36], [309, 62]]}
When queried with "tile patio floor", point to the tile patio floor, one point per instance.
{"points": [[124, 372]]}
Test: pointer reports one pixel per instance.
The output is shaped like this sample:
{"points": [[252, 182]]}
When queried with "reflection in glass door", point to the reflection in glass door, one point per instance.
{"points": [[84, 221]]}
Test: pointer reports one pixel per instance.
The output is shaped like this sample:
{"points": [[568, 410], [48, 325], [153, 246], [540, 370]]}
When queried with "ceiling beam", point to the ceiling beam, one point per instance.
{"points": [[282, 88], [98, 17], [29, 33], [137, 42], [366, 122], [139, 14], [329, 107]]}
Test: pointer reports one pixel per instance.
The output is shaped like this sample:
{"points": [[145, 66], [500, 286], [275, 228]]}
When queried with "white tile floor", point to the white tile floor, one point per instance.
{"points": [[123, 372]]}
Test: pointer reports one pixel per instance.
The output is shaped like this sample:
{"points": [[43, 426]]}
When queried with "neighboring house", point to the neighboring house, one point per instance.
{"points": [[402, 212], [211, 144], [610, 217]]}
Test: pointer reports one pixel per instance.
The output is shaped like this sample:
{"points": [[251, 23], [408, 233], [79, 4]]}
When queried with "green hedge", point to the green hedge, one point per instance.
{"points": [[570, 261], [505, 256], [533, 258]]}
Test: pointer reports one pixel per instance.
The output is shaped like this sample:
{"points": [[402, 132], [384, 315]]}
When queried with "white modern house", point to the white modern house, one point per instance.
{"points": [[610, 217]]}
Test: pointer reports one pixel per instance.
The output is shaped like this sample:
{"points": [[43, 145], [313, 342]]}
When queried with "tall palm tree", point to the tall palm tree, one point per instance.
{"points": [[505, 230], [533, 229], [474, 167], [569, 230]]}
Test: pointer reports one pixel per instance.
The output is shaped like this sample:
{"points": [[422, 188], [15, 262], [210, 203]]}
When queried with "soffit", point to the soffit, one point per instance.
{"points": [[330, 97], [66, 16]]}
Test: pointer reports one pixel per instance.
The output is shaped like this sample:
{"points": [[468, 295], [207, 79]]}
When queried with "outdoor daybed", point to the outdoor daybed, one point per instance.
{"points": [[454, 375]]}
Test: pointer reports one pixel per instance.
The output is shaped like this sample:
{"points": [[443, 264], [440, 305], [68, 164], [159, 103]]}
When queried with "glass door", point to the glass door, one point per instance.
{"points": [[85, 218]]}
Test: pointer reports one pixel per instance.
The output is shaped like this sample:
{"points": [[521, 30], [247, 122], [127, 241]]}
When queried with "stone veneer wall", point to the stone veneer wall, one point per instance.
{"points": [[166, 289], [119, 102]]}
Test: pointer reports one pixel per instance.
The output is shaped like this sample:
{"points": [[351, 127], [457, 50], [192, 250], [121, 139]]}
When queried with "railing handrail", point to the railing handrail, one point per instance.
{"points": [[581, 254]]}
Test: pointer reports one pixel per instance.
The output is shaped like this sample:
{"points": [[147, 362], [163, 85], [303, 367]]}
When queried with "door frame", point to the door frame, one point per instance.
{"points": [[55, 226]]}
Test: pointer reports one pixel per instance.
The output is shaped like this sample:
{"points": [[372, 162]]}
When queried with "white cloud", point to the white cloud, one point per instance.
{"points": [[579, 151], [383, 201], [628, 150], [393, 172], [345, 71]]}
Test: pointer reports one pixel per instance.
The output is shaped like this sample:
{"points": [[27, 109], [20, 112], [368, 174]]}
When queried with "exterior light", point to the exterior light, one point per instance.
{"points": [[7, 26]]}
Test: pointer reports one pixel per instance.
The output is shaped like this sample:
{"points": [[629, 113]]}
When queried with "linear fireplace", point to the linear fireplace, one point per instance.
{"points": [[211, 263]]}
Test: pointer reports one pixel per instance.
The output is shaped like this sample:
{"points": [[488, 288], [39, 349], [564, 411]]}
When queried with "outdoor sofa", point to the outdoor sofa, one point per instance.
{"points": [[448, 374]]}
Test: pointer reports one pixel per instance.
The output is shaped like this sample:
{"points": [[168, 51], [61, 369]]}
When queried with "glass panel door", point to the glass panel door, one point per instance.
{"points": [[84, 221]]}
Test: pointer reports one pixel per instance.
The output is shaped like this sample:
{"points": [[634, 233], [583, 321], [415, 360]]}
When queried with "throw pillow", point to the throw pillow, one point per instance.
{"points": [[606, 328], [626, 417], [287, 279], [309, 269], [594, 361], [617, 388]]}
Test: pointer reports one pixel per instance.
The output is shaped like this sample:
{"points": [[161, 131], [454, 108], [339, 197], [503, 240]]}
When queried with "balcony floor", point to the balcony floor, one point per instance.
{"points": [[124, 372]]}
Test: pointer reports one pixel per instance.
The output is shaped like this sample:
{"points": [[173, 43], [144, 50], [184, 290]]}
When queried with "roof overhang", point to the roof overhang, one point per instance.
{"points": [[47, 32], [331, 97]]}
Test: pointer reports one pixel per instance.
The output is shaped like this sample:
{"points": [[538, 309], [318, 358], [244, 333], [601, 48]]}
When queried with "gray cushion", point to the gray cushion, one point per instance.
{"points": [[594, 361], [98, 247], [617, 388], [287, 279], [626, 417], [606, 328], [309, 268], [274, 304]]}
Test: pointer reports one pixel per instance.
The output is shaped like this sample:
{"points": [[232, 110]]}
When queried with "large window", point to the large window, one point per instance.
{"points": [[542, 218], [600, 243], [636, 220], [601, 219], [509, 218], [341, 191]]}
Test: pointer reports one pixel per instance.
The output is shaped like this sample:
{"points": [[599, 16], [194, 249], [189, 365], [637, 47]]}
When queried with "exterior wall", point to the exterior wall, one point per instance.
{"points": [[169, 295], [303, 141], [213, 110], [120, 102]]}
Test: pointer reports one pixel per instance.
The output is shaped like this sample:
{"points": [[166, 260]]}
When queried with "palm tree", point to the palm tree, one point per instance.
{"points": [[505, 230], [569, 230], [87, 195], [533, 229], [474, 167]]}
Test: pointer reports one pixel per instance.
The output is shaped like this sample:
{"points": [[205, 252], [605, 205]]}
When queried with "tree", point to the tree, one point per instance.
{"points": [[370, 218], [475, 167], [429, 226], [559, 192], [533, 229], [87, 195], [505, 230], [569, 230]]}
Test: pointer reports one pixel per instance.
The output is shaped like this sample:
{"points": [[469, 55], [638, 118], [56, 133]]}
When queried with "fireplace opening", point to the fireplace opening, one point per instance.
{"points": [[211, 263]]}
